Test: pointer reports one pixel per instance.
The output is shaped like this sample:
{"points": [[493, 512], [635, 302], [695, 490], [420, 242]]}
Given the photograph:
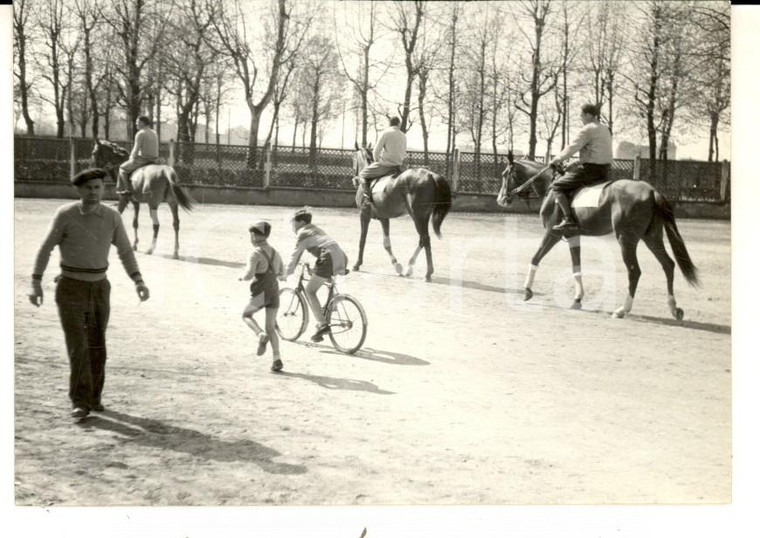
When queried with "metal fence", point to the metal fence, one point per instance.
{"points": [[55, 159]]}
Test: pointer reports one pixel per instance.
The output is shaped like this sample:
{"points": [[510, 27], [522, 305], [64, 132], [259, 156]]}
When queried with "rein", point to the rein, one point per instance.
{"points": [[525, 185]]}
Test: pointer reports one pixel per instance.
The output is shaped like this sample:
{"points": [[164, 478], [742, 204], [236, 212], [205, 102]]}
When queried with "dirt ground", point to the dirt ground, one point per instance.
{"points": [[463, 394]]}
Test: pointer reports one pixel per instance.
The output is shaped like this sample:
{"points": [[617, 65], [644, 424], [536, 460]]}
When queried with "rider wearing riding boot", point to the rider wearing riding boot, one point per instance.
{"points": [[389, 155], [594, 143], [145, 151]]}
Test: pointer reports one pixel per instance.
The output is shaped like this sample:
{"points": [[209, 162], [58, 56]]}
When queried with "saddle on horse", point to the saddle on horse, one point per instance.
{"points": [[369, 183]]}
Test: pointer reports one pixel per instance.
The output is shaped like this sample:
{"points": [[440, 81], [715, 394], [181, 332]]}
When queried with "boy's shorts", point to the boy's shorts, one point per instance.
{"points": [[261, 301], [324, 265]]}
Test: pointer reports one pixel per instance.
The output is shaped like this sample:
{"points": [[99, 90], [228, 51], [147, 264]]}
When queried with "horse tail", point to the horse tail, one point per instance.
{"points": [[183, 198], [664, 210], [441, 201]]}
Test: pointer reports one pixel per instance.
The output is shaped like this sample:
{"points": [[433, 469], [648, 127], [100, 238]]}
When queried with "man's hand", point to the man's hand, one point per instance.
{"points": [[555, 162], [35, 294], [142, 291]]}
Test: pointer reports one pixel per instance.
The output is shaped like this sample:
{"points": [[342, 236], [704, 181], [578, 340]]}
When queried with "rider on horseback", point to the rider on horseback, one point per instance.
{"points": [[389, 154], [144, 152], [595, 145]]}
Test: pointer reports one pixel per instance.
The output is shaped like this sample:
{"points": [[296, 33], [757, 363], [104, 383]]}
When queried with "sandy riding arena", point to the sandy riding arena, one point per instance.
{"points": [[462, 393]]}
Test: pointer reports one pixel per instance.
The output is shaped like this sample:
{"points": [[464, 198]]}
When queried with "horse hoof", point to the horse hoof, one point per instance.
{"points": [[679, 314], [149, 251], [356, 268], [428, 278], [176, 256], [618, 314], [576, 305], [528, 294], [399, 269]]}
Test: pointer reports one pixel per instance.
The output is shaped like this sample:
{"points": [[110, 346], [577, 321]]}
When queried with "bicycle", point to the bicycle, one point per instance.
{"points": [[344, 315]]}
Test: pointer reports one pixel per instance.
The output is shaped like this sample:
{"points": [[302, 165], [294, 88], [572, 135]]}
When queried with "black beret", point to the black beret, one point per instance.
{"points": [[86, 175]]}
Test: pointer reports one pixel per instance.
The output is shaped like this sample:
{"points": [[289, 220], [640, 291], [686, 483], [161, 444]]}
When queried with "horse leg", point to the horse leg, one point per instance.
{"points": [[175, 222], [387, 245], [575, 255], [421, 223], [154, 218], [628, 243], [123, 201], [550, 239], [653, 240], [136, 207], [365, 215]]}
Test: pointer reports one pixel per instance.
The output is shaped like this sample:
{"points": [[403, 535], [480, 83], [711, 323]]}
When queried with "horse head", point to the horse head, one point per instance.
{"points": [[504, 198], [362, 157], [108, 156]]}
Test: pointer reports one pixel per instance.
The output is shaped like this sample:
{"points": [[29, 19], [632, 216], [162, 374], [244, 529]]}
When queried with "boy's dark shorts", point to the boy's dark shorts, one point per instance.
{"points": [[324, 266]]}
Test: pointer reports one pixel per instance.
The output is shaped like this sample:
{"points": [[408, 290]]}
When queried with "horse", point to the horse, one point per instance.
{"points": [[416, 191], [632, 210], [151, 184]]}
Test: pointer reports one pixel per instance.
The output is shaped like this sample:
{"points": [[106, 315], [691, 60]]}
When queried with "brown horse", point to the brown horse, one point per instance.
{"points": [[632, 210], [416, 191], [151, 184]]}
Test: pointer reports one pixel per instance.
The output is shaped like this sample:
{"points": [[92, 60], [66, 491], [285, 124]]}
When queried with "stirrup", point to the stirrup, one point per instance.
{"points": [[567, 225]]}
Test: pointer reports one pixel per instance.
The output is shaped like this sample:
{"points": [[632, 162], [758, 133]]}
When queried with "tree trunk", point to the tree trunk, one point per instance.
{"points": [[423, 122]]}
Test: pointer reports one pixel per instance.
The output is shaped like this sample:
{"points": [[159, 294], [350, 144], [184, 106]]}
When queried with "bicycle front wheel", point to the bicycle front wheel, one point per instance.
{"points": [[293, 316], [348, 323]]}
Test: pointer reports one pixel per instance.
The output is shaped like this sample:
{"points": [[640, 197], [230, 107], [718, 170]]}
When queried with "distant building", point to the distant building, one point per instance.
{"points": [[629, 150]]}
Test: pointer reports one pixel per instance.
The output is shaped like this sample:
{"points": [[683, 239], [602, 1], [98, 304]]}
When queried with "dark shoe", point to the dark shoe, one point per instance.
{"points": [[79, 412], [567, 226], [277, 365], [263, 340], [98, 407], [321, 330]]}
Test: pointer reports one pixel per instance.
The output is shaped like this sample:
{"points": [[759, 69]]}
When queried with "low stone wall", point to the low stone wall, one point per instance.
{"points": [[288, 196]]}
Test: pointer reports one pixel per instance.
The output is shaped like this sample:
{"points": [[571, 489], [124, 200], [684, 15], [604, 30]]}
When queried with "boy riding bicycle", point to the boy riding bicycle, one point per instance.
{"points": [[331, 260]]}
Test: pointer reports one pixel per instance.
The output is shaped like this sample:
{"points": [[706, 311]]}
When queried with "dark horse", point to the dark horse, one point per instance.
{"points": [[416, 191], [632, 210], [152, 184]]}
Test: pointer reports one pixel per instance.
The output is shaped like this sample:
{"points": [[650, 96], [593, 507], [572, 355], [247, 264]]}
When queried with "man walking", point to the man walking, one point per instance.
{"points": [[84, 232]]}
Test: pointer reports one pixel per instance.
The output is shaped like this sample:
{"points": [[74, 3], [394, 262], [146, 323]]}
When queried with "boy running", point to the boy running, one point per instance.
{"points": [[264, 266], [331, 260]]}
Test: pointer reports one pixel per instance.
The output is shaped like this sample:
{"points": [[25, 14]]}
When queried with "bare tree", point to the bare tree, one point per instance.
{"points": [[541, 76], [482, 30], [406, 18], [130, 21], [363, 29], [323, 85], [712, 67], [231, 37], [187, 59], [52, 62], [21, 37]]}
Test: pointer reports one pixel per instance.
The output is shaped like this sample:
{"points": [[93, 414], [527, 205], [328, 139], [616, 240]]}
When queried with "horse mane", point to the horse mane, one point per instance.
{"points": [[115, 148]]}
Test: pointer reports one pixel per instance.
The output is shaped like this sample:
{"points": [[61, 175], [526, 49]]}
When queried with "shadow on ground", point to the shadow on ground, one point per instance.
{"points": [[368, 353], [337, 383], [153, 433]]}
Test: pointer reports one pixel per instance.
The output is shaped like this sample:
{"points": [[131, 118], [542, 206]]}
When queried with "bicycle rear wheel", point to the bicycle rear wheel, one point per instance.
{"points": [[293, 315], [348, 323]]}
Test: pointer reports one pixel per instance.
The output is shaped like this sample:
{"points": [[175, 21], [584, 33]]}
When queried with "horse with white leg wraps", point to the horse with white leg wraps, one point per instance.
{"points": [[151, 184], [416, 191], [632, 210]]}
